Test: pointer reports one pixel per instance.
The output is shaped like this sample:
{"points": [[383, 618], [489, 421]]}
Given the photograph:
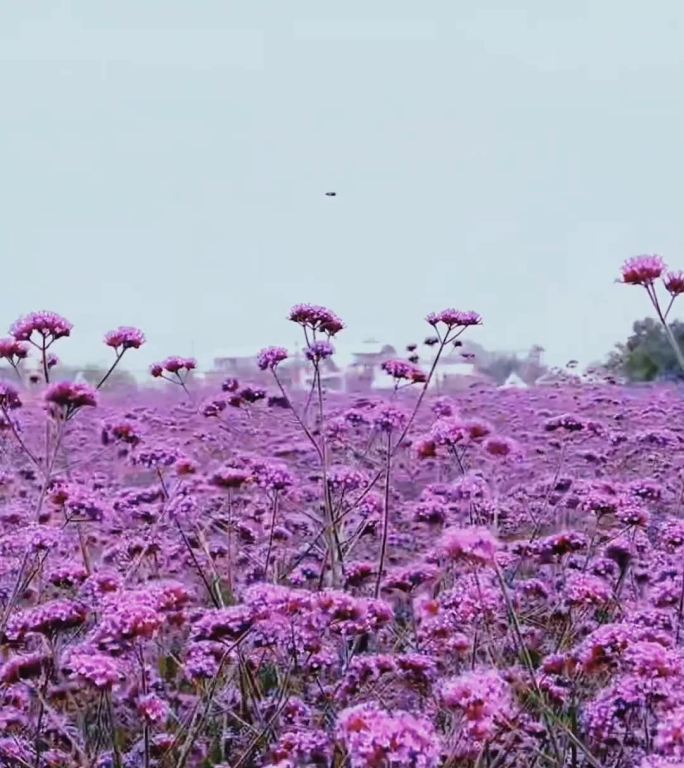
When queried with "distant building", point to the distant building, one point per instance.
{"points": [[454, 372], [364, 372], [238, 363]]}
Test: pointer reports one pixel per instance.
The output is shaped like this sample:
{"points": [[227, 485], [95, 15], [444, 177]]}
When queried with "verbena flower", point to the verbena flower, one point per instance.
{"points": [[319, 350], [373, 736], [642, 270], [9, 398], [316, 318], [49, 325], [454, 318], [271, 357], [13, 350], [403, 370], [69, 395], [124, 337]]}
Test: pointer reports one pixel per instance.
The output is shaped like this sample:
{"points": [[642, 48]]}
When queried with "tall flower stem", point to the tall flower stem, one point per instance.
{"points": [[385, 516], [662, 316], [102, 381]]}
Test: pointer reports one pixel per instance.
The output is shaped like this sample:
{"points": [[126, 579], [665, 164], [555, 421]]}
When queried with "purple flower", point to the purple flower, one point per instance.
{"points": [[389, 418], [96, 669], [316, 318], [230, 477], [152, 709], [70, 395], [674, 283], [230, 385], [13, 350], [375, 737], [454, 318], [499, 447], [483, 699], [473, 545], [9, 398], [319, 350], [125, 337], [178, 364], [642, 270], [47, 619], [49, 325], [271, 357], [401, 369]]}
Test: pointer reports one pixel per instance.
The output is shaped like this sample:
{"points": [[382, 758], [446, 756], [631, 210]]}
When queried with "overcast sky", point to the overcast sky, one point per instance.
{"points": [[163, 163]]}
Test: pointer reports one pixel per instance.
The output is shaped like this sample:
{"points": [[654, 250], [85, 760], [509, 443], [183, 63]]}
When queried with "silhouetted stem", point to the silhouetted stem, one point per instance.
{"points": [[385, 517], [119, 355]]}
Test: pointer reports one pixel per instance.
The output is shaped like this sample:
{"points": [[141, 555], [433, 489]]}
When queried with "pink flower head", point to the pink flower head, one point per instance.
{"points": [[499, 447], [389, 418], [642, 270], [97, 669], [483, 698], [319, 350], [669, 738], [153, 709], [454, 318], [176, 364], [230, 477], [124, 337], [477, 429], [230, 385], [173, 365], [374, 737], [448, 431], [46, 619], [70, 395], [401, 369], [473, 545], [12, 350], [9, 398], [586, 590], [674, 283], [271, 357], [316, 318], [49, 325]]}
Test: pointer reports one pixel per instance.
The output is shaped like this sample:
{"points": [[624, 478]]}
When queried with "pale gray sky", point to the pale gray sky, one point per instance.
{"points": [[163, 163]]}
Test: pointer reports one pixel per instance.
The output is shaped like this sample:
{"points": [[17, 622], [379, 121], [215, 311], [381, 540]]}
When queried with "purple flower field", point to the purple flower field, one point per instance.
{"points": [[245, 576]]}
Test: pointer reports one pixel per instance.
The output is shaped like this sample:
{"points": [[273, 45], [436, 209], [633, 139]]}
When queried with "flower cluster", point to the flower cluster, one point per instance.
{"points": [[463, 576], [175, 365], [69, 396], [454, 318], [271, 357], [316, 318], [403, 370], [48, 325], [124, 337]]}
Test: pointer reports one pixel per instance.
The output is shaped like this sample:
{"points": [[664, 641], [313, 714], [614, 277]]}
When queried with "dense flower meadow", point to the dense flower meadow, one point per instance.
{"points": [[255, 577]]}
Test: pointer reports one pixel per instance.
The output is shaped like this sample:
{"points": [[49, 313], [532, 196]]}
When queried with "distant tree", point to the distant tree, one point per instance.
{"points": [[647, 354], [500, 366]]}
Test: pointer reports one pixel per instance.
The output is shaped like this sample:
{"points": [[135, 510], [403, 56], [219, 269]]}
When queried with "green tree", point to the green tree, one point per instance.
{"points": [[647, 354]]}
